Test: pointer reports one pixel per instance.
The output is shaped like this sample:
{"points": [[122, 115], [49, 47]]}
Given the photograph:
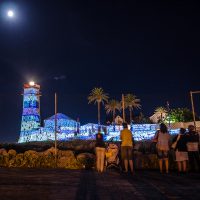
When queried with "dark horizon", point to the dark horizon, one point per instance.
{"points": [[150, 49]]}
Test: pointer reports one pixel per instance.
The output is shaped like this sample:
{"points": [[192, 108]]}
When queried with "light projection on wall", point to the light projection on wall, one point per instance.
{"points": [[31, 111], [67, 128]]}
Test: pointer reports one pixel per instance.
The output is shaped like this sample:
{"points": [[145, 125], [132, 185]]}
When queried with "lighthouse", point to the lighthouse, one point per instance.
{"points": [[31, 122]]}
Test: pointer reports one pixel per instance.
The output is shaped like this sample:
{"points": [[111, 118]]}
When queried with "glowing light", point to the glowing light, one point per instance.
{"points": [[30, 123], [31, 83], [10, 13], [68, 129]]}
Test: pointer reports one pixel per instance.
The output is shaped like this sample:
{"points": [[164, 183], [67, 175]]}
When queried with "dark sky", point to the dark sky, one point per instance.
{"points": [[147, 48]]}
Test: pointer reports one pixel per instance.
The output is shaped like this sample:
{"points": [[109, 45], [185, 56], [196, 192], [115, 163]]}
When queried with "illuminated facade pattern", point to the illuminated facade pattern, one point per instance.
{"points": [[31, 112], [67, 128], [64, 123]]}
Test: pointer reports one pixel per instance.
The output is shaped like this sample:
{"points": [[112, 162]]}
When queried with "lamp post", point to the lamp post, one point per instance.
{"points": [[55, 129], [192, 103], [168, 110], [123, 108]]}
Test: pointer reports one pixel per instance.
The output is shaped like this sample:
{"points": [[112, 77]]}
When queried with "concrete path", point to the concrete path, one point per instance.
{"points": [[53, 184]]}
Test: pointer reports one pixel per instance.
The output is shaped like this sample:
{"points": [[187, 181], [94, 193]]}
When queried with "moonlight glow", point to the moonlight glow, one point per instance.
{"points": [[10, 13]]}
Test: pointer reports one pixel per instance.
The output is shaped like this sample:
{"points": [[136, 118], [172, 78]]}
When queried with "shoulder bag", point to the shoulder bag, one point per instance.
{"points": [[173, 146]]}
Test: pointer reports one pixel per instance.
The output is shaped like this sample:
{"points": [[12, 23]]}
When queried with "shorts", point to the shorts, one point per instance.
{"points": [[162, 154], [126, 153]]}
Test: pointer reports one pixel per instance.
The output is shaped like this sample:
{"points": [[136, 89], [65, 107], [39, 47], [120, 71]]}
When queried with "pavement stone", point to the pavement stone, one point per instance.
{"points": [[62, 184]]}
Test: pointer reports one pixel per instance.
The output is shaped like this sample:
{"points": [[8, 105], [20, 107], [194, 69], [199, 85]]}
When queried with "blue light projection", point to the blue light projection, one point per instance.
{"points": [[31, 112], [67, 128]]}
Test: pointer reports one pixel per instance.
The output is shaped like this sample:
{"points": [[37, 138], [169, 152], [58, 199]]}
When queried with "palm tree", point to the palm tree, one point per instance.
{"points": [[131, 102], [98, 96], [160, 111], [112, 106]]}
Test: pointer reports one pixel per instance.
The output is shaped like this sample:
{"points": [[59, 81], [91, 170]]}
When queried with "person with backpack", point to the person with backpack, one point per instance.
{"points": [[193, 148]]}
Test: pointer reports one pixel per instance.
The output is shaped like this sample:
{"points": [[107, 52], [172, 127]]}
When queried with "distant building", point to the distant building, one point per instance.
{"points": [[69, 129], [31, 129], [118, 120], [156, 117], [64, 123], [31, 111]]}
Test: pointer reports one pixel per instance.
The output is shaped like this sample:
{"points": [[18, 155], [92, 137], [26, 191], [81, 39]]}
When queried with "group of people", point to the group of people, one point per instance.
{"points": [[126, 149], [185, 145]]}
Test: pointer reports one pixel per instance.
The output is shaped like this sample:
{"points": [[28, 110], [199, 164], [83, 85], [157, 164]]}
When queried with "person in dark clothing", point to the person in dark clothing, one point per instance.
{"points": [[181, 150], [193, 148], [100, 152]]}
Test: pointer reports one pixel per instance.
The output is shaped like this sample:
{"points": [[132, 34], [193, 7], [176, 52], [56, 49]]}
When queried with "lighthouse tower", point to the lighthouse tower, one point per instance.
{"points": [[30, 124]]}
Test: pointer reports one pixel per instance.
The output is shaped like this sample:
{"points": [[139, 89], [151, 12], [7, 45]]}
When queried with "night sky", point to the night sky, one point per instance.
{"points": [[147, 48]]}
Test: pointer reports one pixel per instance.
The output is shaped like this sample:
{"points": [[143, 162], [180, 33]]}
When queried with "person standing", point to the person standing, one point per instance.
{"points": [[127, 147], [193, 148], [181, 150], [100, 151], [163, 147]]}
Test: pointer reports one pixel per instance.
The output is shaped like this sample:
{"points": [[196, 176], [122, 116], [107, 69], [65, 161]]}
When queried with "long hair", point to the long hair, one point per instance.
{"points": [[163, 128], [182, 130], [125, 125]]}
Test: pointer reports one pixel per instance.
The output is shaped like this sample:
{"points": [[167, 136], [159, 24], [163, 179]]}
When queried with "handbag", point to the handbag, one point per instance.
{"points": [[173, 146]]}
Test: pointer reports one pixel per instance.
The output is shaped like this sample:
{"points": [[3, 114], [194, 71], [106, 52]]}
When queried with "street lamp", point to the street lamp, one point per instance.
{"points": [[55, 129], [123, 108], [168, 110], [193, 112]]}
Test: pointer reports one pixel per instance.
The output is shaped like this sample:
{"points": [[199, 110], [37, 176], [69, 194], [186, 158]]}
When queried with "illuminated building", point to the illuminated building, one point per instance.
{"points": [[67, 128], [31, 111]]}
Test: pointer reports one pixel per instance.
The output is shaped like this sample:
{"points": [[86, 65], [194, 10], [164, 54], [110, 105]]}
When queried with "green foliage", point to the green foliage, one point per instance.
{"points": [[180, 115]]}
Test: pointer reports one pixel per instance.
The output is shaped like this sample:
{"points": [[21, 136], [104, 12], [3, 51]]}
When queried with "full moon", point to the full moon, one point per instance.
{"points": [[10, 13]]}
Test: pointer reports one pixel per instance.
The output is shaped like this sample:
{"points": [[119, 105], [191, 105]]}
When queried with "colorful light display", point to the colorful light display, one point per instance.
{"points": [[67, 128], [31, 112]]}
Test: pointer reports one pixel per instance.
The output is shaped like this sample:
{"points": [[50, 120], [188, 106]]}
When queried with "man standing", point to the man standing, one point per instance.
{"points": [[193, 148], [127, 147]]}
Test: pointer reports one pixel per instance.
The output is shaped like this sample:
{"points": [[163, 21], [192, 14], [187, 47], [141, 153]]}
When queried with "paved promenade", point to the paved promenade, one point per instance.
{"points": [[36, 184]]}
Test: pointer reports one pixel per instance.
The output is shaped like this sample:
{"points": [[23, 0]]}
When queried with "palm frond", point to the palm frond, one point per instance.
{"points": [[160, 110], [97, 95], [131, 101], [112, 106]]}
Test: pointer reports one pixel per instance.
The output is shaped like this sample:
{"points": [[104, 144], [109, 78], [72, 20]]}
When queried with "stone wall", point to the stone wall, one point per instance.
{"points": [[185, 125]]}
